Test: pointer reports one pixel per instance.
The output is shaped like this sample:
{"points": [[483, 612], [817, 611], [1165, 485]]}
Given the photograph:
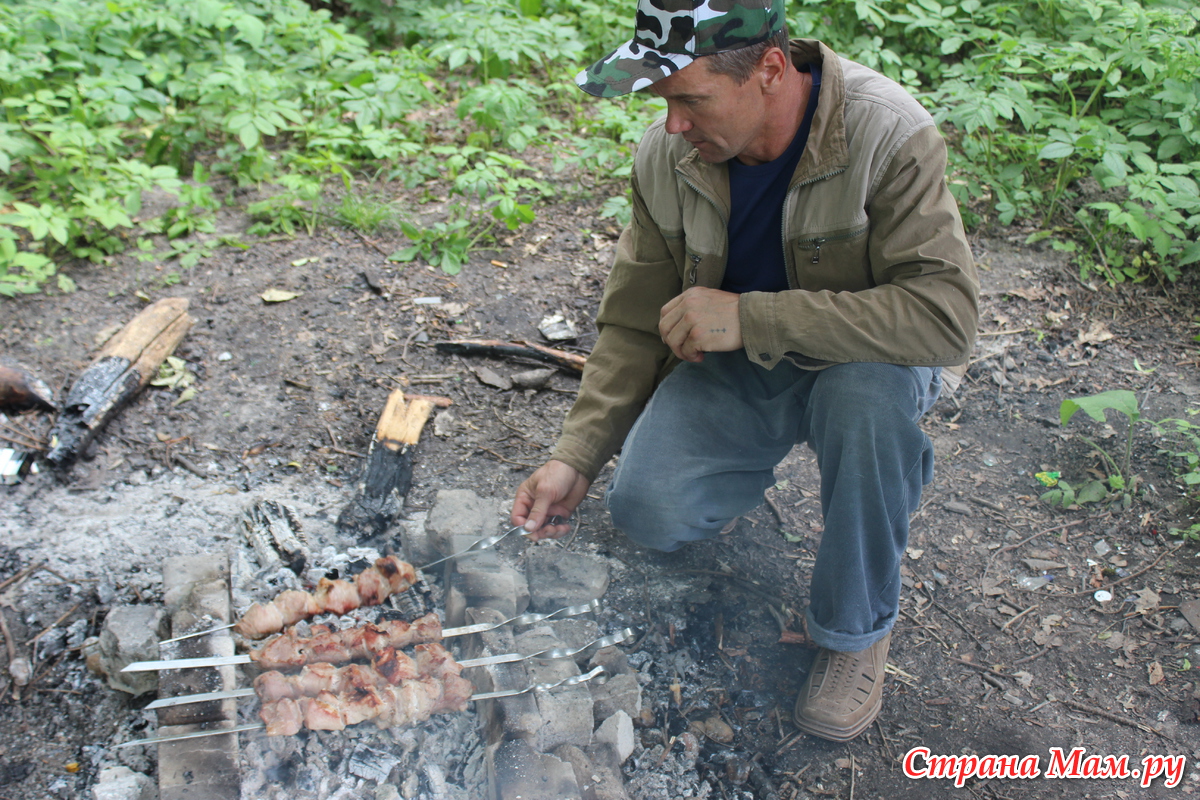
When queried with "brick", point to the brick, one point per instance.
{"points": [[521, 773], [557, 577]]}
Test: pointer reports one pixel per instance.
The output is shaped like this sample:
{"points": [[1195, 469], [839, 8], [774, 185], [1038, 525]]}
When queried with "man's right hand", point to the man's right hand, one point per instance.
{"points": [[554, 489]]}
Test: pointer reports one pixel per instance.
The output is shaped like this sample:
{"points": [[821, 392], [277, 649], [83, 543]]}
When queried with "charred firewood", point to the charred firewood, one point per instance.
{"points": [[125, 365], [20, 390], [571, 362], [379, 497], [276, 535]]}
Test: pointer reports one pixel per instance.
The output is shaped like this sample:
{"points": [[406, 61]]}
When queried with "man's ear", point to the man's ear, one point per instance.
{"points": [[772, 68]]}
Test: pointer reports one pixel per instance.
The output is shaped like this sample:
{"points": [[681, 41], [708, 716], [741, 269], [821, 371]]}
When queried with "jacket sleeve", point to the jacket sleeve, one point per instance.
{"points": [[923, 306], [629, 358]]}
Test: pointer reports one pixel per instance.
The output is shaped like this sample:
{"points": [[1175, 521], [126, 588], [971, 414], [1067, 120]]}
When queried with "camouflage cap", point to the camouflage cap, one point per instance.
{"points": [[671, 34]]}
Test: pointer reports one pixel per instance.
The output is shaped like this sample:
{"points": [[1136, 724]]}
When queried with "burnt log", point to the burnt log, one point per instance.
{"points": [[569, 362], [387, 477], [124, 366]]}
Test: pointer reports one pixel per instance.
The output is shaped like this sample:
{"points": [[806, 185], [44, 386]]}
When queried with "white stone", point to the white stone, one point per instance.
{"points": [[617, 732], [122, 783]]}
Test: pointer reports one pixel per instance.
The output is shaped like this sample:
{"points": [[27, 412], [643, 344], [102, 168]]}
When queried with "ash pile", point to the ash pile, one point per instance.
{"points": [[562, 727]]}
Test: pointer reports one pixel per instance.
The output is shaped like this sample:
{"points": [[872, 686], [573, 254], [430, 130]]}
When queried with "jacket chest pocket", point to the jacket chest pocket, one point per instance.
{"points": [[836, 262]]}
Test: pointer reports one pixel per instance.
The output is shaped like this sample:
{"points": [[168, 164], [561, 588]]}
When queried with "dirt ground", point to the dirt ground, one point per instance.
{"points": [[1001, 647]]}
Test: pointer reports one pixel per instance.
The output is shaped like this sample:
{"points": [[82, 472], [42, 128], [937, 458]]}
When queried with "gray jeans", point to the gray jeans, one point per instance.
{"points": [[705, 449]]}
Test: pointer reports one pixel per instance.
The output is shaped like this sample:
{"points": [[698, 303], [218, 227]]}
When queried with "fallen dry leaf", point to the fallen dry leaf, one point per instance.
{"points": [[1096, 333], [1155, 671], [1147, 600]]}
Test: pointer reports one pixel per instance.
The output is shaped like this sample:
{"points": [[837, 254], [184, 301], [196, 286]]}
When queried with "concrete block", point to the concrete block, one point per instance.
{"points": [[122, 783], [130, 633], [612, 659], [196, 593], [575, 632], [566, 713], [489, 583], [521, 773], [507, 717], [595, 781], [617, 732], [196, 590], [619, 693], [458, 519], [557, 577], [198, 769]]}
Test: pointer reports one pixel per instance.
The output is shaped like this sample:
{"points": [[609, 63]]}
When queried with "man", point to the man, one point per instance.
{"points": [[795, 271]]}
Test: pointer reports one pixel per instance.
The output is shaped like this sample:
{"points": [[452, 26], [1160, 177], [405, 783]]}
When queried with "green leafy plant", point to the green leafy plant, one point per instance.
{"points": [[1186, 461], [1119, 479], [445, 245]]}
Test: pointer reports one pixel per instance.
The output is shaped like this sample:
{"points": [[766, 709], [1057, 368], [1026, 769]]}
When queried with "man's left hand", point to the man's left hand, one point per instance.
{"points": [[699, 321]]}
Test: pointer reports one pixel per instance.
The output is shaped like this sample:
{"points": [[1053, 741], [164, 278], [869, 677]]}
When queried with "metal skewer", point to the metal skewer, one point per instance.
{"points": [[483, 544], [598, 674], [548, 654], [222, 661]]}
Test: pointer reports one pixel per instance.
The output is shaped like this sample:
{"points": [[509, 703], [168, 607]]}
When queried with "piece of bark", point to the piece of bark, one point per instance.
{"points": [[20, 390], [126, 364], [387, 477], [571, 362]]}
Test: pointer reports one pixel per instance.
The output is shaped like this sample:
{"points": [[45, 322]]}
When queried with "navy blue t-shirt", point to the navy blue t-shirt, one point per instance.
{"points": [[756, 212]]}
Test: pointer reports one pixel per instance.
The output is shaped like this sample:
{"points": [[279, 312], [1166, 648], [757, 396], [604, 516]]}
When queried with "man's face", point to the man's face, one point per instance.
{"points": [[711, 111]]}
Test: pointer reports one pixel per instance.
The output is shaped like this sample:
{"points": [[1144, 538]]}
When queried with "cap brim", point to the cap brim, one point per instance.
{"points": [[630, 67]]}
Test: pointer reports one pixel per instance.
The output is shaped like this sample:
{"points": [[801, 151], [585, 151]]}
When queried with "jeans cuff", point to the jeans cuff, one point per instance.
{"points": [[846, 642]]}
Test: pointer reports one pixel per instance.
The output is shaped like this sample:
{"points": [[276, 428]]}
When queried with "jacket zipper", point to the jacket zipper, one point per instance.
{"points": [[692, 275], [789, 267], [816, 242]]}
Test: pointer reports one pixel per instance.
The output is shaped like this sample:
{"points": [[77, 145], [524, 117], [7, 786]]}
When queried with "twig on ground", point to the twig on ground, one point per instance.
{"points": [[925, 628], [1004, 627], [771, 504], [1111, 717], [1033, 657], [20, 575], [980, 667]]}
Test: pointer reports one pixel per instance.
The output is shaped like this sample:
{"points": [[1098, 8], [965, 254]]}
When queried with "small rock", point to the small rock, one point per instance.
{"points": [[122, 783], [619, 693], [21, 671], [957, 507], [226, 356], [617, 732], [130, 634], [491, 378], [557, 328], [718, 729], [532, 379]]}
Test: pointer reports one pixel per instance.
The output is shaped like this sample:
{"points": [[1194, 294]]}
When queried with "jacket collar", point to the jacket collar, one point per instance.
{"points": [[825, 152]]}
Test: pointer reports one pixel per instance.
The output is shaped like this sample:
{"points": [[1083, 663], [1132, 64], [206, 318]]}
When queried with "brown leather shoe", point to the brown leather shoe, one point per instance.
{"points": [[843, 692]]}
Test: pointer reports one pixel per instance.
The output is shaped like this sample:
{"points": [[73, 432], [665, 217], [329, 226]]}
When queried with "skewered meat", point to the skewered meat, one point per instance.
{"points": [[339, 647], [370, 587], [327, 698]]}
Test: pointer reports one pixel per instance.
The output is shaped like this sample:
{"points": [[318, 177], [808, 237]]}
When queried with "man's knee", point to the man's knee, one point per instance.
{"points": [[866, 392], [642, 517]]}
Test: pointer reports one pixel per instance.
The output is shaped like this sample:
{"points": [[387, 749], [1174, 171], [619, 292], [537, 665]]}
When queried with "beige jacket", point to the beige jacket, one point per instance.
{"points": [[876, 255]]}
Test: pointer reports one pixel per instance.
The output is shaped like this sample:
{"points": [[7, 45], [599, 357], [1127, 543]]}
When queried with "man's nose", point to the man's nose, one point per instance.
{"points": [[677, 121]]}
